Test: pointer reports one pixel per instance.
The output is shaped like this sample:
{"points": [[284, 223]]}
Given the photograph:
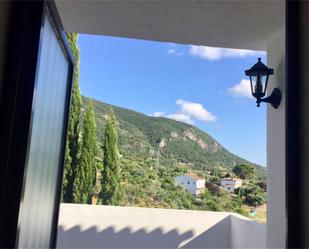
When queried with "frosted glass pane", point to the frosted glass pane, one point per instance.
{"points": [[37, 207]]}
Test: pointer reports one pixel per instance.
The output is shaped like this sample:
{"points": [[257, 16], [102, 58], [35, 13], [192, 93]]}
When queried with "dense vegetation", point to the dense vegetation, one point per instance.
{"points": [[83, 159], [155, 150]]}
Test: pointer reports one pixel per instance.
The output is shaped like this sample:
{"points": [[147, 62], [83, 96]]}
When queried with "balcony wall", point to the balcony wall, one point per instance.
{"points": [[86, 226]]}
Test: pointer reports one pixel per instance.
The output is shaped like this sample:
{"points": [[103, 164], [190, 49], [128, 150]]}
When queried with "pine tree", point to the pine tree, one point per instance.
{"points": [[84, 183], [111, 192], [72, 152]]}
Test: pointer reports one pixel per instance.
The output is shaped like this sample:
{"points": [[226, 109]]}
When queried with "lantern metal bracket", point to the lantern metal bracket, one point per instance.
{"points": [[274, 99]]}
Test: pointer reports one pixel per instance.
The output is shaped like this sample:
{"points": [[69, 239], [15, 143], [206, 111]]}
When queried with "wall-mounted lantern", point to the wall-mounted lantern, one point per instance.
{"points": [[259, 75]]}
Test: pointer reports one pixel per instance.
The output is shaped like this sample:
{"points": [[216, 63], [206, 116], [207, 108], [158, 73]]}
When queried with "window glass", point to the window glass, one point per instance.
{"points": [[45, 142]]}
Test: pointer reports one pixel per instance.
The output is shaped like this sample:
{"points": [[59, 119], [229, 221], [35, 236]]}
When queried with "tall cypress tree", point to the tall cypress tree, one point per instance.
{"points": [[111, 192], [72, 152], [84, 183], [67, 164]]}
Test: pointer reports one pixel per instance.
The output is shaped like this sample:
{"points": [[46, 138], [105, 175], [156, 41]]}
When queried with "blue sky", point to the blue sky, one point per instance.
{"points": [[203, 86]]}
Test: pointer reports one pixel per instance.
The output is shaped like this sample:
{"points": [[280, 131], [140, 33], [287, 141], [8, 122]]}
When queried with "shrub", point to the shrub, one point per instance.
{"points": [[252, 195]]}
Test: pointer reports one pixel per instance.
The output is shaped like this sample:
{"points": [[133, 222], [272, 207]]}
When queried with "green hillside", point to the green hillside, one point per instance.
{"points": [[153, 151], [175, 143]]}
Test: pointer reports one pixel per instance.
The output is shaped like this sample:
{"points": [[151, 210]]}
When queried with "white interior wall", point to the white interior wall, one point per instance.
{"points": [[276, 218]]}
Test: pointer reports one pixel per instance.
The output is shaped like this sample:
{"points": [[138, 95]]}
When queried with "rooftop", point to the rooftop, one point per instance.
{"points": [[194, 176], [231, 179]]}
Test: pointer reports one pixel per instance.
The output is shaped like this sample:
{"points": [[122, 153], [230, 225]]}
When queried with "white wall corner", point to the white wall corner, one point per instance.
{"points": [[246, 233], [276, 216]]}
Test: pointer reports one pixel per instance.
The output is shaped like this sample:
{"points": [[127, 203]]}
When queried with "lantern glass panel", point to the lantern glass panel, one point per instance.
{"points": [[263, 81], [253, 84], [259, 86]]}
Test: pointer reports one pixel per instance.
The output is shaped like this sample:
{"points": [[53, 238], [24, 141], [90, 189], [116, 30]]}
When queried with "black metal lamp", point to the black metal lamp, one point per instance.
{"points": [[259, 75]]}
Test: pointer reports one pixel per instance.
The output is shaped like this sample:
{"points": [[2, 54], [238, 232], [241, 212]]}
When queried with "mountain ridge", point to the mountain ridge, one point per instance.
{"points": [[167, 141]]}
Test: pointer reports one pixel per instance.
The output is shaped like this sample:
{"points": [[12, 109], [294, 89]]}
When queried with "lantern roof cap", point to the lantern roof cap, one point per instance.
{"points": [[259, 68]]}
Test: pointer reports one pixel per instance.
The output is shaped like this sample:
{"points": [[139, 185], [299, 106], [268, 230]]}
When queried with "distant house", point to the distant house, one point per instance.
{"points": [[191, 182], [230, 184]]}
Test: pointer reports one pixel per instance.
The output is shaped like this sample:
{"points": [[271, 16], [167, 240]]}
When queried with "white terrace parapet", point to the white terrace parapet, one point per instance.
{"points": [[90, 226]]}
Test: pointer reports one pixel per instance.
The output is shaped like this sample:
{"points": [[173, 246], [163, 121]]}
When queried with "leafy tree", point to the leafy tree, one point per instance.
{"points": [[111, 192], [244, 171], [73, 147], [84, 183], [262, 185], [181, 170], [215, 171], [251, 195], [212, 188], [215, 179]]}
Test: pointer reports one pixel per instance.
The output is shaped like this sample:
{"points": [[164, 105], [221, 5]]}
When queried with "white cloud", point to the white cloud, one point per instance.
{"points": [[242, 89], [181, 117], [176, 116], [171, 51], [158, 114], [213, 53], [188, 112], [174, 51], [195, 110]]}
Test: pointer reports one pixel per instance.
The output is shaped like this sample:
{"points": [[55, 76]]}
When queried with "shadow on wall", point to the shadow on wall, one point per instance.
{"points": [[218, 236], [215, 237]]}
